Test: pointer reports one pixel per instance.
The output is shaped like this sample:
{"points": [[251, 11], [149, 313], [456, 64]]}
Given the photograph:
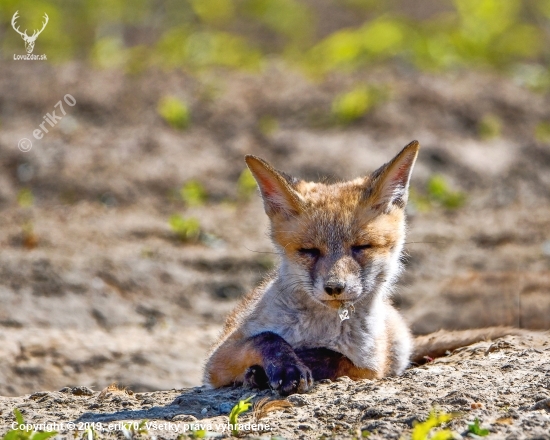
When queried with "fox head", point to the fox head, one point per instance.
{"points": [[340, 243]]}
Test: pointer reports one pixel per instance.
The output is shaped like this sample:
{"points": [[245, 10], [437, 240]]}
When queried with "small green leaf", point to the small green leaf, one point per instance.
{"points": [[43, 435], [186, 228], [239, 408], [444, 434], [18, 417], [476, 429], [490, 127], [174, 111], [193, 193], [25, 198], [14, 434], [438, 191], [422, 429], [199, 433], [352, 105]]}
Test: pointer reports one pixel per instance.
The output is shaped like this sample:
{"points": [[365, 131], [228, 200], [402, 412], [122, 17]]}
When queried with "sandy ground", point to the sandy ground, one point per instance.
{"points": [[505, 384]]}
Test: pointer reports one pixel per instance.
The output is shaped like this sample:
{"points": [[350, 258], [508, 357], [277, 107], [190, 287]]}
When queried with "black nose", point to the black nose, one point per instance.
{"points": [[335, 287]]}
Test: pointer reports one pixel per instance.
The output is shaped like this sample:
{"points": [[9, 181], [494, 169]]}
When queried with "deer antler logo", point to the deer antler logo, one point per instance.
{"points": [[29, 41]]}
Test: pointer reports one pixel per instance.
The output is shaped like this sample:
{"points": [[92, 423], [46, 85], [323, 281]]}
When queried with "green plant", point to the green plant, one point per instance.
{"points": [[476, 429], [199, 433], [246, 185], [23, 434], [268, 125], [438, 191], [25, 198], [238, 409], [423, 430], [542, 132], [193, 193], [352, 105], [489, 127], [174, 112], [214, 11], [185, 228]]}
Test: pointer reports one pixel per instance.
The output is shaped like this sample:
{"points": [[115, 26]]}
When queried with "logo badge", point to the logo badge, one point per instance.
{"points": [[29, 40]]}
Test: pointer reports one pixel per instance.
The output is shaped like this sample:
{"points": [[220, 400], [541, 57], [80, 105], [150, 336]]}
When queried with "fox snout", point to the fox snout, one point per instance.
{"points": [[338, 280]]}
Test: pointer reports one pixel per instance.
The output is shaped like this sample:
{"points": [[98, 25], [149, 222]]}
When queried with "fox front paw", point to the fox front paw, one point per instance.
{"points": [[289, 377]]}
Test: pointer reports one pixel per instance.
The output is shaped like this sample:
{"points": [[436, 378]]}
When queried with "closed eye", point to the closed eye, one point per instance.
{"points": [[360, 247], [310, 252]]}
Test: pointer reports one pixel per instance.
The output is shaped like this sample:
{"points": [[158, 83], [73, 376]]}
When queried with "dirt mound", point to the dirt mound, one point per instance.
{"points": [[505, 384]]}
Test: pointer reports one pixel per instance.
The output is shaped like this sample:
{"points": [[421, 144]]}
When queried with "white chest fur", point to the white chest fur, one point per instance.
{"points": [[309, 325]]}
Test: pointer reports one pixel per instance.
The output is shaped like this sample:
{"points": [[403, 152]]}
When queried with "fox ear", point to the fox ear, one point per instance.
{"points": [[277, 192], [389, 185]]}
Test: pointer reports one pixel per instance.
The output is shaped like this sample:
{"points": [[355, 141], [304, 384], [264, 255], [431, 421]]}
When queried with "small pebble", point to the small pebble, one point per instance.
{"points": [[298, 400], [82, 391], [225, 408]]}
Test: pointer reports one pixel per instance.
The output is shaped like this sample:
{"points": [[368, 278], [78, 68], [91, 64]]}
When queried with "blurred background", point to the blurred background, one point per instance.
{"points": [[131, 227]]}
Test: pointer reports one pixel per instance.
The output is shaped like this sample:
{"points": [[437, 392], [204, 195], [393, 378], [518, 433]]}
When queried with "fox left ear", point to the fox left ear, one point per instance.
{"points": [[389, 184], [277, 192]]}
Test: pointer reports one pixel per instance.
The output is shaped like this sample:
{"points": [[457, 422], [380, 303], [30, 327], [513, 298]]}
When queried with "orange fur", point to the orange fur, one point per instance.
{"points": [[347, 368], [230, 362]]}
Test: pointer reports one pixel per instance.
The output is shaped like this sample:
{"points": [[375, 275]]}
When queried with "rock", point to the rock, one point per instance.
{"points": [[298, 400], [81, 391], [225, 407], [541, 404]]}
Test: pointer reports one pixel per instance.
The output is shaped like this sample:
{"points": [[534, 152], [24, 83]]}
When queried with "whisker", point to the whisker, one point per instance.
{"points": [[260, 252]]}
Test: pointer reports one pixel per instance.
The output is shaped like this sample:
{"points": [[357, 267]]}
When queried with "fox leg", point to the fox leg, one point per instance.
{"points": [[328, 364], [284, 371], [323, 363]]}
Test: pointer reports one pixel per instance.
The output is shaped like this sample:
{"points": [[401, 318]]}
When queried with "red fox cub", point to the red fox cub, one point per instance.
{"points": [[326, 312]]}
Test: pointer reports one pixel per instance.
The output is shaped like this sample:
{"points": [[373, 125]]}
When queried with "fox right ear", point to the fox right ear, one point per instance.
{"points": [[277, 193], [390, 182]]}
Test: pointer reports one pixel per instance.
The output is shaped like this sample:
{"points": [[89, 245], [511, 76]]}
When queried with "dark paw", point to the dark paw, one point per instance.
{"points": [[289, 377], [255, 377]]}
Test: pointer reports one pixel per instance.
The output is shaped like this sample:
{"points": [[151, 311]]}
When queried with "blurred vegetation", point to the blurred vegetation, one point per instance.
{"points": [[246, 185], [489, 127], [193, 193], [186, 228], [25, 198], [20, 433], [340, 35], [437, 193], [352, 105], [542, 132], [174, 112]]}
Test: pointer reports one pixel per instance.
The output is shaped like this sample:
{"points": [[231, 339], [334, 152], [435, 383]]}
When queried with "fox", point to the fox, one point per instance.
{"points": [[326, 312]]}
